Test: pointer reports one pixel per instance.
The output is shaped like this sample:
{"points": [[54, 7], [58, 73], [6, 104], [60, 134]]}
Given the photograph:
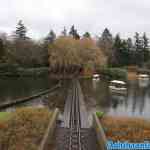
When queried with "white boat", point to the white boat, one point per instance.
{"points": [[118, 87], [143, 77], [96, 77], [143, 80]]}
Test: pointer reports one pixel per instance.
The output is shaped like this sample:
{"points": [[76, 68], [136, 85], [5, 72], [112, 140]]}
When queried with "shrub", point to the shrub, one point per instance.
{"points": [[99, 114], [126, 129], [24, 130], [6, 67], [114, 73]]}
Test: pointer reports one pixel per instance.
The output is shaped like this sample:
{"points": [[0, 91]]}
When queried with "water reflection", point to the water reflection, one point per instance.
{"points": [[14, 88], [97, 96], [135, 103]]}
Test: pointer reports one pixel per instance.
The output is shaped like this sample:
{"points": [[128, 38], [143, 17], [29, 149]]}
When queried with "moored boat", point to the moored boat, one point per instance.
{"points": [[118, 87], [96, 77], [143, 80]]}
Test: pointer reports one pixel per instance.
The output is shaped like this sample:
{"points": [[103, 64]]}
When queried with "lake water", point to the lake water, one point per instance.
{"points": [[135, 103], [16, 88], [97, 96]]}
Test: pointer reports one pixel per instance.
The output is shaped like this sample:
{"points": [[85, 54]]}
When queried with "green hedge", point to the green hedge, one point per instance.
{"points": [[114, 73], [16, 70], [5, 67]]}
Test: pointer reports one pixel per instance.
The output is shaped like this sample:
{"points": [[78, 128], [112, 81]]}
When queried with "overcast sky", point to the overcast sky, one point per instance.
{"points": [[123, 16]]}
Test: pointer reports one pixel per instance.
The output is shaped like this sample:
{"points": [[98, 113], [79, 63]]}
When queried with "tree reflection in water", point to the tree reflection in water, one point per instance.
{"points": [[135, 103]]}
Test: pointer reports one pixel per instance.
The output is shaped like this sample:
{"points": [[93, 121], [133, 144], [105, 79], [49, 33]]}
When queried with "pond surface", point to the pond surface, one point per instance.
{"points": [[17, 88], [97, 96], [135, 103]]}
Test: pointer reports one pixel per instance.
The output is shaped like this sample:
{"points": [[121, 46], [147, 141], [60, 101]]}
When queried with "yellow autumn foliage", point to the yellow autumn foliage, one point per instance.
{"points": [[24, 130], [126, 129], [67, 52]]}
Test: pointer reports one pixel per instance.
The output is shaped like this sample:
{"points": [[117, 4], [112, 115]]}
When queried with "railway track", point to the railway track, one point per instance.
{"points": [[75, 121], [74, 134]]}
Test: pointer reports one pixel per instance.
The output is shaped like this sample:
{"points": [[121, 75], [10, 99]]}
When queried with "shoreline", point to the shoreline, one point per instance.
{"points": [[25, 72]]}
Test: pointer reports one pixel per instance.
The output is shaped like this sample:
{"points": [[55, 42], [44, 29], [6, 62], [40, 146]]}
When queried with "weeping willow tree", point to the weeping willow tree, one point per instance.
{"points": [[69, 56]]}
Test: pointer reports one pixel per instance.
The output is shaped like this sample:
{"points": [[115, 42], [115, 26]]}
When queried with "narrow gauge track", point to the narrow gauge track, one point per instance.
{"points": [[75, 121], [73, 134]]}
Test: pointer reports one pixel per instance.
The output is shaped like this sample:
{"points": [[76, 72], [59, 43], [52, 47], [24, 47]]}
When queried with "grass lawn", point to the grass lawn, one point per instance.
{"points": [[4, 116]]}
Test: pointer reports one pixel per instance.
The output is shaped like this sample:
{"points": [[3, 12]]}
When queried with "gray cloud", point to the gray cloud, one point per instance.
{"points": [[123, 16]]}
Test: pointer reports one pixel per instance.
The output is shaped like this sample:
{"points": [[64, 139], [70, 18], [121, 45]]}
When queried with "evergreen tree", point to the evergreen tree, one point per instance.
{"points": [[125, 53], [21, 31], [117, 42], [105, 42], [139, 59], [86, 35], [129, 44], [1, 49], [106, 35], [138, 42], [145, 47], [48, 40], [131, 52], [73, 32], [117, 48], [64, 32], [50, 37]]}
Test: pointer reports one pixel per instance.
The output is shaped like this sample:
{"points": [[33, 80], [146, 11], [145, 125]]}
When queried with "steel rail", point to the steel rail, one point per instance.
{"points": [[79, 119], [75, 121]]}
